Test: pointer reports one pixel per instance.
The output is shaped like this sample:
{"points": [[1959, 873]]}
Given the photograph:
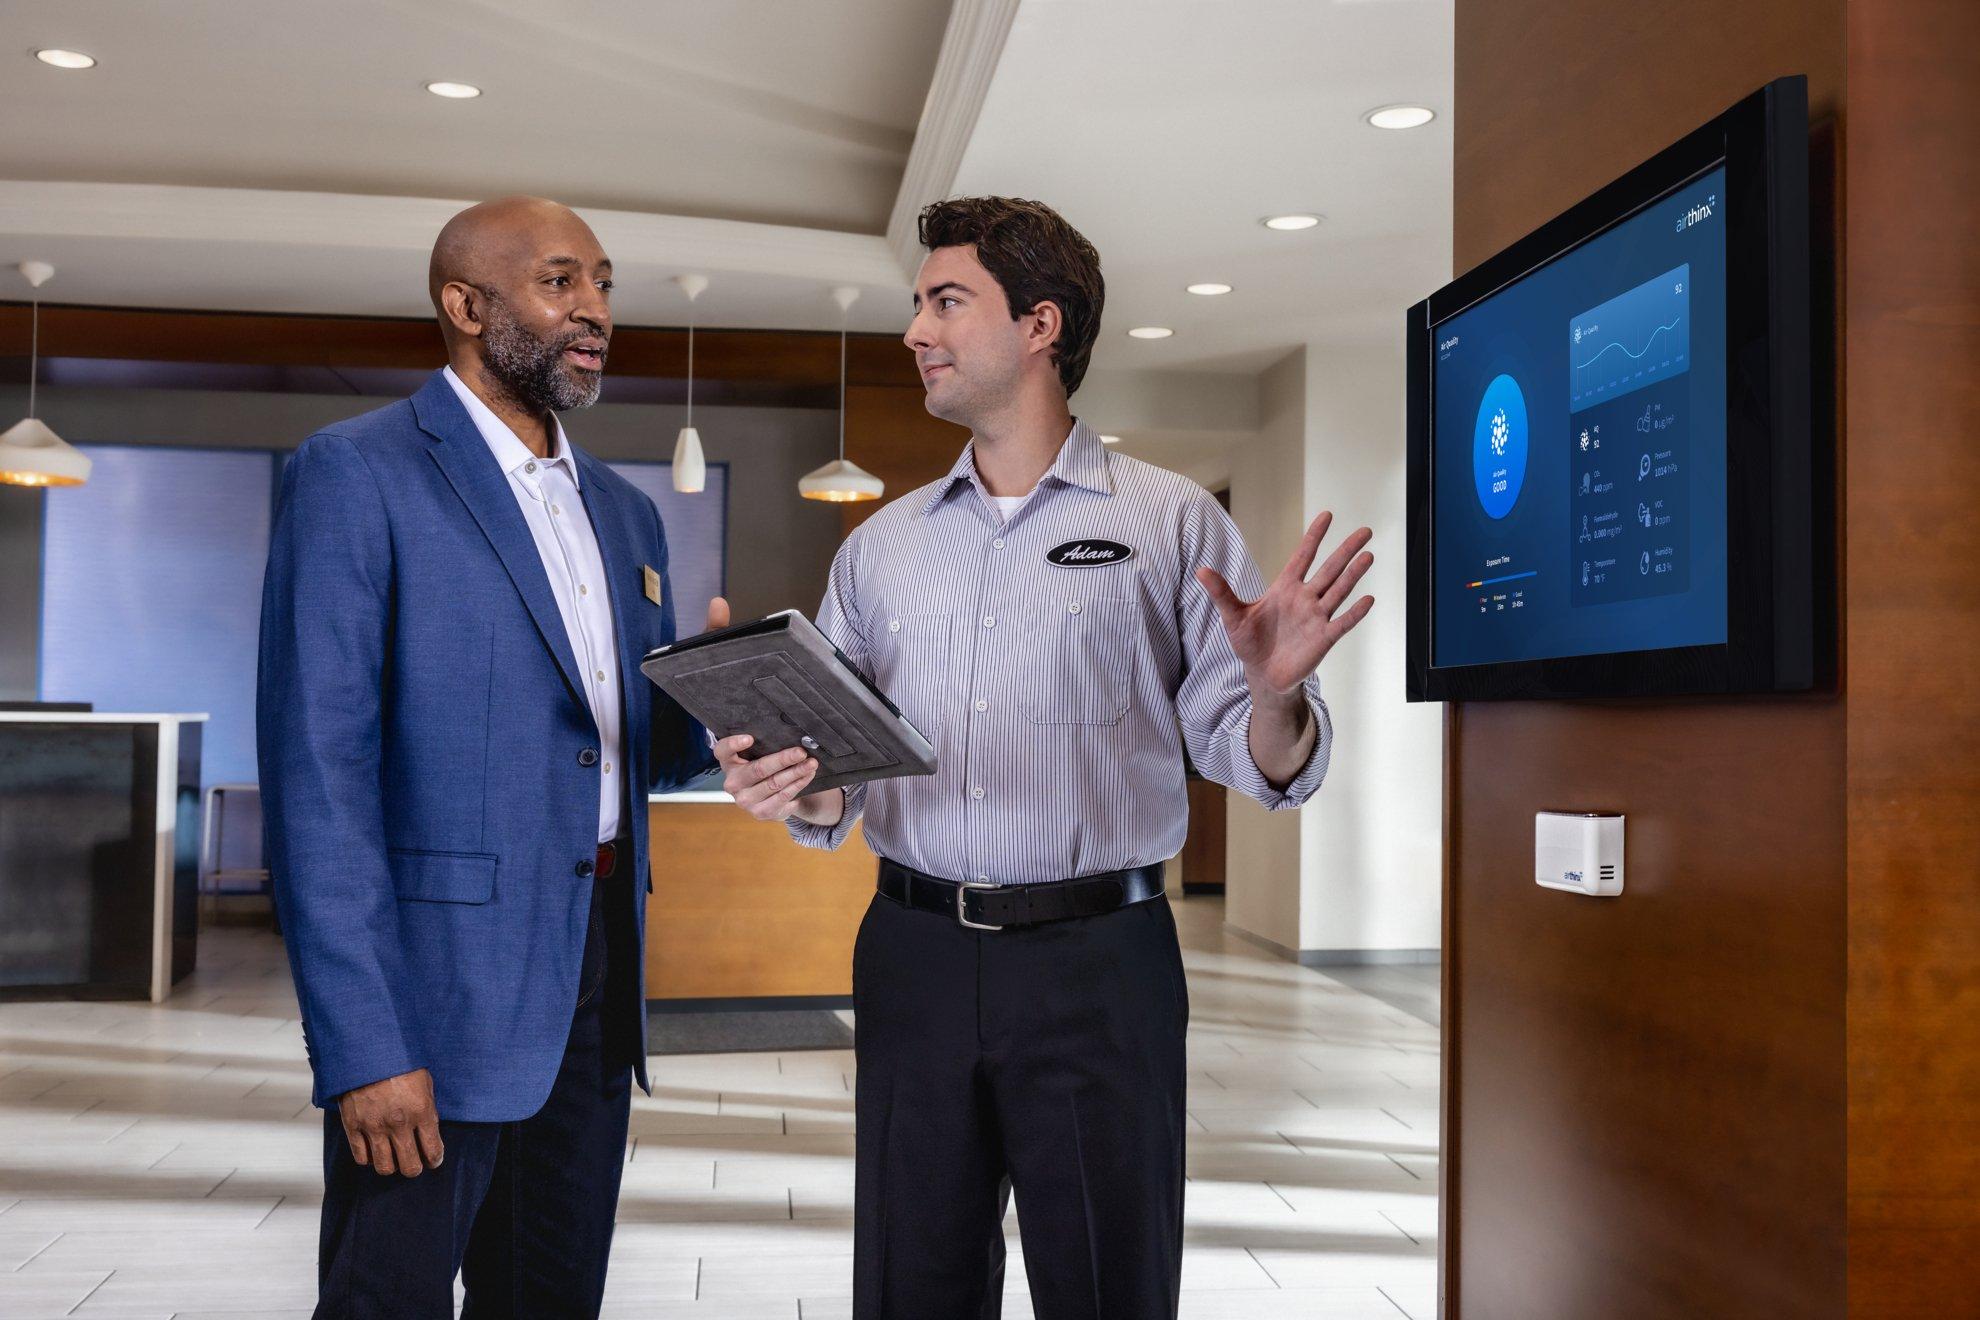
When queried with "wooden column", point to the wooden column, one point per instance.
{"points": [[1645, 1096], [1913, 584]]}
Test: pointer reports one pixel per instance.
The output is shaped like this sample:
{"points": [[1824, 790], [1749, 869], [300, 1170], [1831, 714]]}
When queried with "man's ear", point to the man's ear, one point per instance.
{"points": [[1042, 327], [462, 304]]}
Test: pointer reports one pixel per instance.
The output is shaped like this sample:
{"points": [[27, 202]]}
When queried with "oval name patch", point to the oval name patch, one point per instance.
{"points": [[1088, 553]]}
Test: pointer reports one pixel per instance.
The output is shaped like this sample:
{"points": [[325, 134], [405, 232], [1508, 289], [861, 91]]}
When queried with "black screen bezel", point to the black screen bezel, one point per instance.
{"points": [[1770, 556]]}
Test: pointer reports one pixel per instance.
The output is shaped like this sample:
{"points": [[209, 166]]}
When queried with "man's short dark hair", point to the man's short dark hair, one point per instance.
{"points": [[1029, 249]]}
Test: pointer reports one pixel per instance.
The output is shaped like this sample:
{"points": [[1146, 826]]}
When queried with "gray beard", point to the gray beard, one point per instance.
{"points": [[532, 371]]}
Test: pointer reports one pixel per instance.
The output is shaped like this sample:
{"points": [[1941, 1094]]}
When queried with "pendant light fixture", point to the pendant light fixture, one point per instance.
{"points": [[839, 481], [30, 453], [690, 466]]}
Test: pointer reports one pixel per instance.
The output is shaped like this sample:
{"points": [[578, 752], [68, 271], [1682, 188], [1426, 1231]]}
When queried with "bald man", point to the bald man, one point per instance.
{"points": [[456, 747]]}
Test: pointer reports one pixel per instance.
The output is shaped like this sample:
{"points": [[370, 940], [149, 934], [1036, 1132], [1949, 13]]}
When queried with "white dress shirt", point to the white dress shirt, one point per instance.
{"points": [[546, 489]]}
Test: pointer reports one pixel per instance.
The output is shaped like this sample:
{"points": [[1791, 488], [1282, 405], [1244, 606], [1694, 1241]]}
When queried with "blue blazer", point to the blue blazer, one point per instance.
{"points": [[423, 747]]}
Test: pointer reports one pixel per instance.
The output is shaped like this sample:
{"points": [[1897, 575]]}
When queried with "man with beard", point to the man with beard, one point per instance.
{"points": [[456, 746]]}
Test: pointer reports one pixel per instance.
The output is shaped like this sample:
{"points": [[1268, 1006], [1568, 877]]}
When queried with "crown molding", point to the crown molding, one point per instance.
{"points": [[362, 222], [971, 48]]}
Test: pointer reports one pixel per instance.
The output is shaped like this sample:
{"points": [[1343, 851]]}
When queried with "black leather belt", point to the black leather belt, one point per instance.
{"points": [[1000, 907]]}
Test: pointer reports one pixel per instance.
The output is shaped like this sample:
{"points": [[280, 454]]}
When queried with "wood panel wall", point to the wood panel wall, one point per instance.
{"points": [[1913, 789], [1645, 1096], [891, 435]]}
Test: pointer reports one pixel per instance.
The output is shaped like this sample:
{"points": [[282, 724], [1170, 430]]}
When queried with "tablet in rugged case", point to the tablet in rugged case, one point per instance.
{"points": [[782, 681]]}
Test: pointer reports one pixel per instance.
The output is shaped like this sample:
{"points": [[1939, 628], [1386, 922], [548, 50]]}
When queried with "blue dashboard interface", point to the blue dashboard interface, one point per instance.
{"points": [[1579, 448]]}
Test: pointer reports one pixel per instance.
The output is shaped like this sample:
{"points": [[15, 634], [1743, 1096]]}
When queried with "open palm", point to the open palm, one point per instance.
{"points": [[1281, 637]]}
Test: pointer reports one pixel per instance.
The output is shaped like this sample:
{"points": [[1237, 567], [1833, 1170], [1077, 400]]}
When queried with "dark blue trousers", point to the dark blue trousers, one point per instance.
{"points": [[522, 1211]]}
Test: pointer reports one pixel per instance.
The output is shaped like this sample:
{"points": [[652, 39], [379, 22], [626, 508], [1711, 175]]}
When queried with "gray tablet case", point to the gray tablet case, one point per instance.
{"points": [[782, 681]]}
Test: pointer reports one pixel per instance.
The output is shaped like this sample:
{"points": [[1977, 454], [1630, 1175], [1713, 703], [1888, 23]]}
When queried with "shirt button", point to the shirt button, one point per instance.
{"points": [[555, 509], [588, 758], [583, 590], [989, 621], [893, 625], [608, 767], [1072, 607], [982, 704], [982, 879], [999, 543], [976, 793], [529, 467], [601, 675]]}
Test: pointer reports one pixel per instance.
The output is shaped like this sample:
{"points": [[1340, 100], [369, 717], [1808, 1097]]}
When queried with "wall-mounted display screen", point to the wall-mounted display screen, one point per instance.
{"points": [[1613, 448], [1580, 447]]}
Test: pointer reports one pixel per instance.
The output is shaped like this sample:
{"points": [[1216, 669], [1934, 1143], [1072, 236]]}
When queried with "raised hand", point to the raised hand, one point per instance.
{"points": [[1281, 637]]}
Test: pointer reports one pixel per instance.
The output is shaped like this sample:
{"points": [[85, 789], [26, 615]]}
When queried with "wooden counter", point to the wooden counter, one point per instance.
{"points": [[738, 911]]}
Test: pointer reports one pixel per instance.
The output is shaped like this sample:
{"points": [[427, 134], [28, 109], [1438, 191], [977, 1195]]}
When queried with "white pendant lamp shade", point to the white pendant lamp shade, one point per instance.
{"points": [[841, 481], [30, 453], [690, 465], [33, 455]]}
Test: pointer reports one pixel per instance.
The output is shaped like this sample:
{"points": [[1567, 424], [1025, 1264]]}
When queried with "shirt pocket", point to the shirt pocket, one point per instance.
{"points": [[911, 665], [1085, 647]]}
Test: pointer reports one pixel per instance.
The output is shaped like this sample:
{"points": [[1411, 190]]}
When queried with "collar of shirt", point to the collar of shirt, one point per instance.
{"points": [[1082, 461], [509, 450]]}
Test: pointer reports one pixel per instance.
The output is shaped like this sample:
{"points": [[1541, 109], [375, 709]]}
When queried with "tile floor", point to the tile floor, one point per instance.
{"points": [[162, 1161]]}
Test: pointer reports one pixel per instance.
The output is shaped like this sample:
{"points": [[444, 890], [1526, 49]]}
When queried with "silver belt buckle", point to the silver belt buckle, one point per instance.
{"points": [[962, 909]]}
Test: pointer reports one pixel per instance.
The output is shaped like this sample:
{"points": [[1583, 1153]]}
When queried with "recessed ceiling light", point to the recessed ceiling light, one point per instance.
{"points": [[1400, 116], [1150, 332], [66, 59], [1110, 439], [454, 91], [1207, 290], [1290, 221]]}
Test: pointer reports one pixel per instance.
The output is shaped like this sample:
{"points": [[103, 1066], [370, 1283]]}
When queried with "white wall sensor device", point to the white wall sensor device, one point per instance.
{"points": [[1579, 851]]}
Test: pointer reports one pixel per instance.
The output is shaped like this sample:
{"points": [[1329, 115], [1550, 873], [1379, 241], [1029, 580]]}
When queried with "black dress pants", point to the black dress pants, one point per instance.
{"points": [[522, 1211], [1046, 1062]]}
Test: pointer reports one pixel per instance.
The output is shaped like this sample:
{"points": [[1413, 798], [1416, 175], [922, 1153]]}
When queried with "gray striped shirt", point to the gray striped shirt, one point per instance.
{"points": [[1059, 697]]}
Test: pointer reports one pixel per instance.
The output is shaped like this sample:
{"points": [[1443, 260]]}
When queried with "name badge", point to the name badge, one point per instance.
{"points": [[652, 583], [1088, 553]]}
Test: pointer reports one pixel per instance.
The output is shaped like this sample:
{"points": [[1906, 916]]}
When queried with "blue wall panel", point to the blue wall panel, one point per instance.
{"points": [[151, 590], [696, 528]]}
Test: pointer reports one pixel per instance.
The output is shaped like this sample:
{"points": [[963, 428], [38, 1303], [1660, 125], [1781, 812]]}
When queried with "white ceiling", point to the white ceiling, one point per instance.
{"points": [[1166, 129], [281, 155], [779, 111]]}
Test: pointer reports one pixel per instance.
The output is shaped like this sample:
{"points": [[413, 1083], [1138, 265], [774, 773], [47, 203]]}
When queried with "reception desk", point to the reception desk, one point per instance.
{"points": [[99, 835], [739, 912]]}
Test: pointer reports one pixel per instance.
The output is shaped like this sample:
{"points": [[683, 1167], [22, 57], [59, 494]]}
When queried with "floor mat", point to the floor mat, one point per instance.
{"points": [[746, 1031]]}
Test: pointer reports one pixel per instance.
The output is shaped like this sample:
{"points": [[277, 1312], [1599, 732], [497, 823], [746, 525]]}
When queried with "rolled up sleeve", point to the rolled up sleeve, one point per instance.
{"points": [[1213, 704]]}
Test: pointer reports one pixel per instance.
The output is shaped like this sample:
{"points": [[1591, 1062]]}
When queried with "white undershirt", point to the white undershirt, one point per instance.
{"points": [[546, 489], [1006, 505]]}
